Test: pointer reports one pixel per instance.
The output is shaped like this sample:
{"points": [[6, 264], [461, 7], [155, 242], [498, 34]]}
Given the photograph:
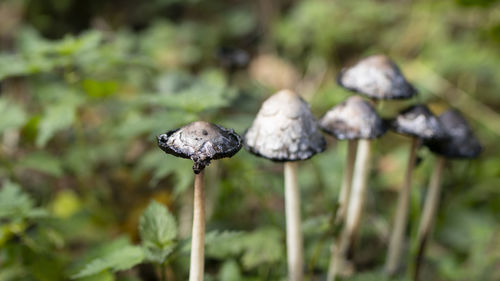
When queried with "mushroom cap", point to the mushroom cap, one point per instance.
{"points": [[418, 121], [460, 141], [284, 129], [354, 118], [377, 77], [201, 142]]}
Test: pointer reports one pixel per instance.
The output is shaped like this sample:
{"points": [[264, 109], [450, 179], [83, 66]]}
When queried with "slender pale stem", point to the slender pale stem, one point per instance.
{"points": [[354, 209], [401, 216], [429, 213], [196, 269], [293, 223], [345, 189]]}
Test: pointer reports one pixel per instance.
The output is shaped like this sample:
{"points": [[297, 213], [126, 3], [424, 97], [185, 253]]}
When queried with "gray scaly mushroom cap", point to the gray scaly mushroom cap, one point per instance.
{"points": [[418, 121], [284, 130], [460, 141], [376, 77], [354, 118], [201, 142]]}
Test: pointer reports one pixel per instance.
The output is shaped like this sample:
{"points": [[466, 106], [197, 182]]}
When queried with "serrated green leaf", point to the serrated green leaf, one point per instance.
{"points": [[42, 162], [230, 271], [158, 231], [56, 118], [120, 259], [262, 247], [13, 115], [16, 204]]}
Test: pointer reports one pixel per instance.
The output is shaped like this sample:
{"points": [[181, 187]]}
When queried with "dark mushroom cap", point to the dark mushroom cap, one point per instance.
{"points": [[232, 58], [201, 142], [354, 118], [460, 141], [284, 130], [418, 121], [376, 77]]}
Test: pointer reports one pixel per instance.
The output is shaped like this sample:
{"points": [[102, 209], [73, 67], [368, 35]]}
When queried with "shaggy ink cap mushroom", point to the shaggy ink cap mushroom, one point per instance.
{"points": [[460, 142], [284, 130], [377, 77], [418, 121], [201, 142], [353, 119]]}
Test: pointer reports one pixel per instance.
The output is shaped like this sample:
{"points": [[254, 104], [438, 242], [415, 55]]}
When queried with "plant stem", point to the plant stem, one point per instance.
{"points": [[345, 189], [401, 216], [293, 223], [354, 209], [429, 213], [198, 235]]}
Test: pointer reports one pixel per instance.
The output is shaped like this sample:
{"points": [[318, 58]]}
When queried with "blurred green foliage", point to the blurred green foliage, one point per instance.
{"points": [[85, 86]]}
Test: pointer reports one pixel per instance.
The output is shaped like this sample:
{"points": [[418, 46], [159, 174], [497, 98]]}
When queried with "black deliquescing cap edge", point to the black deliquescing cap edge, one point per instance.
{"points": [[393, 124], [412, 93], [447, 147], [322, 147], [198, 166], [378, 133]]}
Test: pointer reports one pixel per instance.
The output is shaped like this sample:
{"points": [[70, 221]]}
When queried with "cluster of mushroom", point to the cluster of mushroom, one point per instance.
{"points": [[286, 131]]}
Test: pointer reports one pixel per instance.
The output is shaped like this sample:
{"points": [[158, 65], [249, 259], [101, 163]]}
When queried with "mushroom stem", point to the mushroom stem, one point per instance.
{"points": [[345, 192], [345, 189], [354, 209], [401, 219], [196, 269], [429, 213], [293, 223]]}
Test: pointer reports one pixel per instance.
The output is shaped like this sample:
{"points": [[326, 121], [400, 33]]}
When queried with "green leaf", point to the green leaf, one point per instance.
{"points": [[15, 204], [13, 115], [56, 118], [42, 162], [230, 271], [262, 246], [158, 231], [120, 259]]}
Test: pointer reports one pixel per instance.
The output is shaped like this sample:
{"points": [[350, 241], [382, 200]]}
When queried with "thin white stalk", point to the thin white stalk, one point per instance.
{"points": [[354, 209], [293, 223], [429, 212], [196, 269], [345, 189], [401, 216]]}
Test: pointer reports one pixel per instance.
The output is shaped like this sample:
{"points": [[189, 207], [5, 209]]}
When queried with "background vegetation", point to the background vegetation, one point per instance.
{"points": [[85, 86]]}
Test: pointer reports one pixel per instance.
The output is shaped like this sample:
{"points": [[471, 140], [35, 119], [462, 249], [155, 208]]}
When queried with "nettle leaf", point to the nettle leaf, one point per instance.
{"points": [[42, 162], [158, 231], [207, 91], [13, 115], [57, 117], [16, 204], [262, 246], [162, 165], [121, 259]]}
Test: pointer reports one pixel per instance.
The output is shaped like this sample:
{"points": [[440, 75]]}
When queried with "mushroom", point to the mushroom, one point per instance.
{"points": [[285, 131], [459, 144], [353, 119], [419, 123], [376, 77], [201, 142]]}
